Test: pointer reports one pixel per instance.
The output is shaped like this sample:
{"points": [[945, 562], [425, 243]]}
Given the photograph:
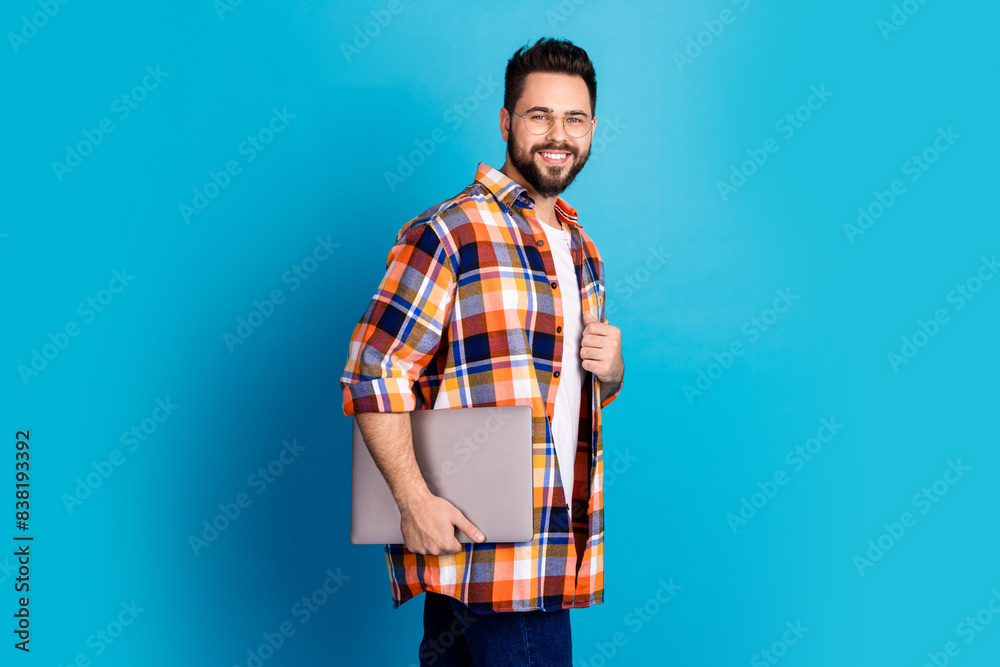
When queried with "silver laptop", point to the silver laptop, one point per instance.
{"points": [[479, 459]]}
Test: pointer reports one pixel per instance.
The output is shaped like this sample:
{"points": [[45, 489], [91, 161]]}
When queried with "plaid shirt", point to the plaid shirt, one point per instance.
{"points": [[469, 314]]}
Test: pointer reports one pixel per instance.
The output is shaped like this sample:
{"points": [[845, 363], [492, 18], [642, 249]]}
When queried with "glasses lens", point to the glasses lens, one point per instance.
{"points": [[537, 123], [577, 125]]}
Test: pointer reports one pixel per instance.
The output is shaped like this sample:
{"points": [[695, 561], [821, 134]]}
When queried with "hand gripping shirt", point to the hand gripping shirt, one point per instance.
{"points": [[469, 314]]}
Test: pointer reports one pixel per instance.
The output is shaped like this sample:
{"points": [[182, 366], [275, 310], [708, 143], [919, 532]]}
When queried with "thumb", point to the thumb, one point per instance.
{"points": [[588, 317], [467, 527]]}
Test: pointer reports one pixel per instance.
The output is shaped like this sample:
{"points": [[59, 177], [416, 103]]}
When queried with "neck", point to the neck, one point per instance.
{"points": [[545, 207]]}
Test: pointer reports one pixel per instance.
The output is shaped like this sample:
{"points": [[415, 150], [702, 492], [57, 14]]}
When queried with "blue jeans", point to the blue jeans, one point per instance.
{"points": [[456, 636]]}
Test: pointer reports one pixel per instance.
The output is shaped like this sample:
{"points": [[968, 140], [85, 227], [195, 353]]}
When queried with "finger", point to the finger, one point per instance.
{"points": [[468, 528], [598, 329], [408, 540]]}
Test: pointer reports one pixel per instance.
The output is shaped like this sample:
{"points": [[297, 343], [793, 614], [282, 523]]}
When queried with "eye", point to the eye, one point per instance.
{"points": [[575, 120], [539, 116]]}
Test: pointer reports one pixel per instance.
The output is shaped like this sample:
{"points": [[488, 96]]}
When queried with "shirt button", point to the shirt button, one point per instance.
{"points": [[555, 284], [541, 242], [558, 329], [556, 374]]}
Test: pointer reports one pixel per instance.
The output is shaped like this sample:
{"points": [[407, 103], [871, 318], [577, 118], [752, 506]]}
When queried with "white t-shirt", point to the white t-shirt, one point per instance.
{"points": [[565, 419]]}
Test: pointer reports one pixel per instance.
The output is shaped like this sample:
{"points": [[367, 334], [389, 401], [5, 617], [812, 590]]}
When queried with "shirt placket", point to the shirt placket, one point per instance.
{"points": [[583, 277], [548, 261], [538, 234]]}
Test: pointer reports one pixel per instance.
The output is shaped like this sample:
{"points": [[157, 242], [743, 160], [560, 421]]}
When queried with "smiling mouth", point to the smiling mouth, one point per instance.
{"points": [[554, 157]]}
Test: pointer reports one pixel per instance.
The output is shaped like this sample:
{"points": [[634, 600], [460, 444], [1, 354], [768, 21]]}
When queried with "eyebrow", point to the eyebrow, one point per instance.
{"points": [[548, 110]]}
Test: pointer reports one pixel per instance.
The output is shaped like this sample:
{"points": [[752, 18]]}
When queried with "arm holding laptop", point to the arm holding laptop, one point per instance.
{"points": [[428, 522], [383, 369]]}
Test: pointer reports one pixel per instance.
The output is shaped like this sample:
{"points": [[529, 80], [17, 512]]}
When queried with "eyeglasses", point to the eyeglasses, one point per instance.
{"points": [[576, 124]]}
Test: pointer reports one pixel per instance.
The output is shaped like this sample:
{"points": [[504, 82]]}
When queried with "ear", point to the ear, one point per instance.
{"points": [[504, 123]]}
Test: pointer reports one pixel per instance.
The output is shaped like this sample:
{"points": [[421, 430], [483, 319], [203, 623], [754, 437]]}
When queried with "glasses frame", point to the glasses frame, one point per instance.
{"points": [[552, 122]]}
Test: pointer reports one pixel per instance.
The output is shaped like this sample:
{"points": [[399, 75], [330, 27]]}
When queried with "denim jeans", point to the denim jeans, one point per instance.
{"points": [[456, 636]]}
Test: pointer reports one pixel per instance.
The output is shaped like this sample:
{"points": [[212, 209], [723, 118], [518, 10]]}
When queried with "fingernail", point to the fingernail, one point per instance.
{"points": [[480, 537]]}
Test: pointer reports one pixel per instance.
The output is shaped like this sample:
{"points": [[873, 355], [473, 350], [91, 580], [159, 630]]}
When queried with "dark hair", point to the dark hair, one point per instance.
{"points": [[548, 55]]}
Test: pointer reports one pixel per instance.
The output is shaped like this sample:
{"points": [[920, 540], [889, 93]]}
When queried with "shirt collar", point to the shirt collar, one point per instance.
{"points": [[509, 192]]}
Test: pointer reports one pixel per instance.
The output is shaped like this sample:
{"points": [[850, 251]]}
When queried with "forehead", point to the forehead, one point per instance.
{"points": [[561, 92]]}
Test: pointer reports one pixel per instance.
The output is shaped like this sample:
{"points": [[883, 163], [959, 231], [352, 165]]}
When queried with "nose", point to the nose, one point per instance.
{"points": [[558, 130]]}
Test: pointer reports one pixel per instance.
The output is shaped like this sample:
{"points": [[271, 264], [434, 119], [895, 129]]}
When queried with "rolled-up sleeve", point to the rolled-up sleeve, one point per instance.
{"points": [[402, 327]]}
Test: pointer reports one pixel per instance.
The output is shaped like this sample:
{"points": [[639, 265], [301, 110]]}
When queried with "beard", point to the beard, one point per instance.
{"points": [[547, 180]]}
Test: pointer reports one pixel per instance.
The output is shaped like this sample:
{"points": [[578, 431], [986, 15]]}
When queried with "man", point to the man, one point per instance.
{"points": [[496, 297]]}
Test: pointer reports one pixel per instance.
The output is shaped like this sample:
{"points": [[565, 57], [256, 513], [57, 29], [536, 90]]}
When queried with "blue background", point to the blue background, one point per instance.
{"points": [[650, 187]]}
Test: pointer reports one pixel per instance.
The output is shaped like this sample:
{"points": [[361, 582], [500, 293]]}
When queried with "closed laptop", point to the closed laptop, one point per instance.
{"points": [[479, 459]]}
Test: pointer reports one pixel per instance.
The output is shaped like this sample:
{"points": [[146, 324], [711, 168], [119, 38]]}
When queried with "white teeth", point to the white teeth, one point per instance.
{"points": [[554, 156]]}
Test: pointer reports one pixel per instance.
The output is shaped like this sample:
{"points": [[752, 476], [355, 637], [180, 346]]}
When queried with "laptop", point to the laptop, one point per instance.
{"points": [[479, 459]]}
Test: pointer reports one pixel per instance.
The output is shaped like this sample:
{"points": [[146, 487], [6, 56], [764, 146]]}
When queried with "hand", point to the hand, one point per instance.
{"points": [[601, 349], [428, 524]]}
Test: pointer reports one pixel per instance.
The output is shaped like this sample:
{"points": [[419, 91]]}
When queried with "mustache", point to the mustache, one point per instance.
{"points": [[567, 149]]}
